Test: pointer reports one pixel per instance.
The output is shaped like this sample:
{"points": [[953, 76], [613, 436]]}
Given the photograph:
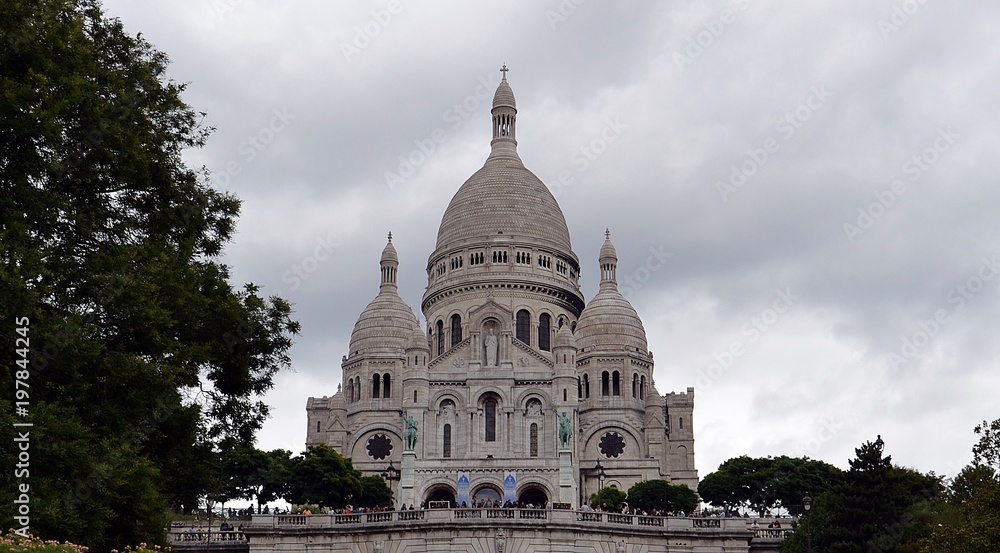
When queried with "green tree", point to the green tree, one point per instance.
{"points": [[250, 473], [662, 496], [321, 476], [761, 484], [878, 507], [973, 525], [145, 362], [374, 492], [611, 499], [987, 450]]}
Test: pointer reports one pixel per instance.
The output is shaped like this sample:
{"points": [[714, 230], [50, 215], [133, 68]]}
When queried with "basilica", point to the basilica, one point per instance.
{"points": [[518, 389]]}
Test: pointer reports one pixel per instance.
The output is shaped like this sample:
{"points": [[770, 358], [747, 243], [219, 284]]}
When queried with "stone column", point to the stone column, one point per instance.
{"points": [[407, 478], [567, 480]]}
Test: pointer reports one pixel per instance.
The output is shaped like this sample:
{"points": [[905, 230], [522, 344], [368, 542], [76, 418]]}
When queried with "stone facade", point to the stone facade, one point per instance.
{"points": [[509, 346]]}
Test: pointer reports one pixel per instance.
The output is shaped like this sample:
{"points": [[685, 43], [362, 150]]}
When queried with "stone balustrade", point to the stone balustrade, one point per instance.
{"points": [[408, 519]]}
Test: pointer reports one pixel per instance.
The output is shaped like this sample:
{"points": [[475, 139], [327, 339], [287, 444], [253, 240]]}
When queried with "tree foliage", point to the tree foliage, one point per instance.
{"points": [[662, 496], [321, 476], [762, 484], [145, 361], [877, 507], [608, 499]]}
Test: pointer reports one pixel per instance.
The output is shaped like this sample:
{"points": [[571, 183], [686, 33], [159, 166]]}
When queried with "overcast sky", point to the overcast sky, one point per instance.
{"points": [[799, 193]]}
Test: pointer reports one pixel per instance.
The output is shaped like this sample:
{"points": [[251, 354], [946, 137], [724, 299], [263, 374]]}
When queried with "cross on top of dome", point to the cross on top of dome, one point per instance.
{"points": [[504, 70]]}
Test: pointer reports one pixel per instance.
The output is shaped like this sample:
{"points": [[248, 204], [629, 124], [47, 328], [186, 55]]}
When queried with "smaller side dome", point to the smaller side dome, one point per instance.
{"points": [[418, 341], [609, 322], [387, 323], [564, 338]]}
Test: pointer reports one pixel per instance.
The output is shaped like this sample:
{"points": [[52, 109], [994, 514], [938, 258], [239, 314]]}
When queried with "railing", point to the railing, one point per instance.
{"points": [[615, 518], [290, 520], [649, 521], [384, 516], [771, 533], [202, 535], [528, 516]]}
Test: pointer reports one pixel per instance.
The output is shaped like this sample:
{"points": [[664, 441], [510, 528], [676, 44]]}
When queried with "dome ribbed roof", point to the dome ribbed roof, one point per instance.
{"points": [[610, 323], [564, 338], [387, 323], [418, 340], [504, 197], [504, 96]]}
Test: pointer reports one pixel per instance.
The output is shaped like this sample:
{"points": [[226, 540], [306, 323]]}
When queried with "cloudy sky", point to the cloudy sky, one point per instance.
{"points": [[799, 193]]}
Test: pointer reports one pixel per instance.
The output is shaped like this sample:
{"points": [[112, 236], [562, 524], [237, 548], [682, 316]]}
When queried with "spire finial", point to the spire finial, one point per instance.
{"points": [[504, 70], [390, 237], [607, 234]]}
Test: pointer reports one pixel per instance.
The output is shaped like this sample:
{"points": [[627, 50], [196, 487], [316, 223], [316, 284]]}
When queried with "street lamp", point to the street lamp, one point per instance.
{"points": [[600, 476], [389, 474], [807, 503]]}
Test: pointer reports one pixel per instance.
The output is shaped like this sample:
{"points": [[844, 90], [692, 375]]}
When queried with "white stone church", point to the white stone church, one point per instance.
{"points": [[510, 346]]}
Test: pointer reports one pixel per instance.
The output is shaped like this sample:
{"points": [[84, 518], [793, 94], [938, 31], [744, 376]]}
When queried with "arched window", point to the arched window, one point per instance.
{"points": [[579, 387], [642, 387], [350, 391], [357, 388], [456, 329], [604, 383], [533, 440], [586, 386], [635, 386], [565, 394], [544, 323], [524, 326], [375, 386], [680, 420], [317, 426], [446, 441], [440, 333], [386, 386], [616, 384], [490, 409]]}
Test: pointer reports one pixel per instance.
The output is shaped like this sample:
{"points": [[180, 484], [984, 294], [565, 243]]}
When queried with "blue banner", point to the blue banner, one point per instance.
{"points": [[463, 490], [510, 487]]}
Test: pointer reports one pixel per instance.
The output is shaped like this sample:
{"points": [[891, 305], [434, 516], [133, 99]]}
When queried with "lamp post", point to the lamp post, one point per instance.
{"points": [[600, 478], [807, 503], [389, 474]]}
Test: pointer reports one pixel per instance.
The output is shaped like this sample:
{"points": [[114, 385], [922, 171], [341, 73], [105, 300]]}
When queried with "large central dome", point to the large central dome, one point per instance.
{"points": [[504, 198], [504, 232]]}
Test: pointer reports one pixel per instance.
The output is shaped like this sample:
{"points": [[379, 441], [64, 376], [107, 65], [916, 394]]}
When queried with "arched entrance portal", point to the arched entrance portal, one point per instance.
{"points": [[488, 495], [440, 493], [533, 495]]}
